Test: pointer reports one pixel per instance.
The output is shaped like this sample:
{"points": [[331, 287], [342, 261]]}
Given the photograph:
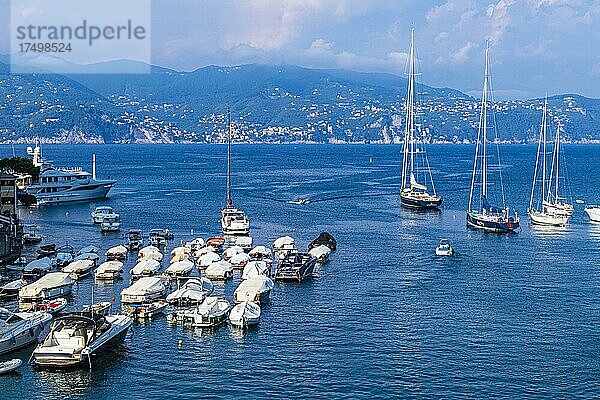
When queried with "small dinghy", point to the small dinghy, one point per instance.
{"points": [[79, 269], [180, 268], [245, 314], [219, 271], [254, 269], [321, 253], [109, 271], [10, 365], [194, 291], [148, 311], [101, 308], [211, 313], [117, 253], [256, 289], [47, 250], [207, 259], [324, 239], [444, 248], [51, 306]]}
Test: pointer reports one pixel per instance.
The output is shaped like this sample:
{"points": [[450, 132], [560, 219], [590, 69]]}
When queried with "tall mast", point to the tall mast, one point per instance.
{"points": [[544, 128], [408, 132], [484, 121], [557, 160], [228, 156]]}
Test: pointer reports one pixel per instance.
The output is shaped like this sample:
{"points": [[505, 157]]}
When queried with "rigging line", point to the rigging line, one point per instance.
{"points": [[495, 123]]}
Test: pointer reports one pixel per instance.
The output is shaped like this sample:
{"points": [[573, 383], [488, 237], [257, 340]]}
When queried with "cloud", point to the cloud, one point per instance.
{"points": [[499, 19], [461, 55], [440, 12]]}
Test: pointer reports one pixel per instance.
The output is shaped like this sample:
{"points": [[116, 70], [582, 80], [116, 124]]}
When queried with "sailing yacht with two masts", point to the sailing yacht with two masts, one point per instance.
{"points": [[415, 164], [554, 210], [233, 220], [480, 213]]}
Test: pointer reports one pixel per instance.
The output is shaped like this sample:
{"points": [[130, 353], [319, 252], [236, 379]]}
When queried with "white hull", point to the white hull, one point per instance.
{"points": [[593, 213], [538, 218], [71, 195], [26, 335]]}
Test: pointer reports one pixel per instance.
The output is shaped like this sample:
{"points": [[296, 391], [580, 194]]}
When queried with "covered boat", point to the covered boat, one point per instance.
{"points": [[256, 268], [204, 250], [211, 313], [78, 269], [74, 338], [321, 253], [256, 289], [144, 290], [195, 244], [245, 314], [180, 268], [37, 268], [295, 267], [219, 270], [109, 271], [239, 260], [284, 246], [20, 329], [87, 256], [194, 291], [232, 251], [146, 267], [259, 252], [50, 286], [206, 259], [117, 253], [324, 239], [11, 289], [89, 249], [150, 252]]}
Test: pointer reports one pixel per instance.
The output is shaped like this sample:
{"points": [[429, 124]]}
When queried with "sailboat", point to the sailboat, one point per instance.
{"points": [[415, 163], [233, 220], [553, 212], [481, 214]]}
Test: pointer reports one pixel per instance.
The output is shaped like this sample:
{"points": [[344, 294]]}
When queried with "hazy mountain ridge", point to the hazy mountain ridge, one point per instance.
{"points": [[268, 103]]}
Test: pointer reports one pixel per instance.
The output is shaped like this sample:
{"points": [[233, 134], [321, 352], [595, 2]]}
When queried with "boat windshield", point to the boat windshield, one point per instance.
{"points": [[9, 318]]}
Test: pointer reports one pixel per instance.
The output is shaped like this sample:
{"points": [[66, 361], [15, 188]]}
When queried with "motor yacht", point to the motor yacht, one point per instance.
{"points": [[20, 329], [100, 212], [245, 314]]}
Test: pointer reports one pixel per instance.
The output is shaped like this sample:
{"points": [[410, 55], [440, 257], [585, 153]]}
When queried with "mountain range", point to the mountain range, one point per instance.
{"points": [[268, 104]]}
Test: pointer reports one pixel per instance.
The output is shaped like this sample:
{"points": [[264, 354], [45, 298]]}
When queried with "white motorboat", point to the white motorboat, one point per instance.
{"points": [[232, 251], [284, 246], [135, 239], [180, 268], [150, 252], [255, 268], [99, 213], [32, 236], [245, 242], [53, 306], [117, 253], [146, 267], [144, 290], [180, 250], [60, 185], [259, 252], [109, 271], [444, 248], [79, 269], [20, 329], [211, 313], [64, 255], [10, 365], [195, 244], [89, 249], [593, 212], [206, 259], [87, 256], [239, 260], [256, 289], [204, 250], [219, 270], [110, 223], [37, 268], [151, 310], [245, 314], [180, 254], [101, 308], [194, 291], [50, 286], [10, 290], [74, 338], [321, 253]]}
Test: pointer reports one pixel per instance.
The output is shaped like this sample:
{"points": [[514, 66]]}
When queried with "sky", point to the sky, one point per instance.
{"points": [[538, 47]]}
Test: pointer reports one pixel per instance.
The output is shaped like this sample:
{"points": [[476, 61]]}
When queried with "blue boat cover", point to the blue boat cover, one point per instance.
{"points": [[490, 208]]}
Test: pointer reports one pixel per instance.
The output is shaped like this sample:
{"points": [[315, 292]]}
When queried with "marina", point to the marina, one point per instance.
{"points": [[308, 305]]}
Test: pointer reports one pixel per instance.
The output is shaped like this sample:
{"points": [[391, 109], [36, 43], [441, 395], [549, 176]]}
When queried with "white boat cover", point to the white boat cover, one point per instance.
{"points": [[144, 286], [239, 260], [232, 251], [320, 252], [110, 266], [249, 289], [255, 268], [148, 250], [180, 250], [204, 250], [246, 310], [194, 290], [48, 281], [180, 268], [87, 256], [42, 264], [218, 269], [243, 241], [117, 250], [195, 244], [89, 249], [78, 266], [179, 257], [283, 241], [259, 251], [16, 284], [206, 259], [213, 306], [150, 255], [147, 266]]}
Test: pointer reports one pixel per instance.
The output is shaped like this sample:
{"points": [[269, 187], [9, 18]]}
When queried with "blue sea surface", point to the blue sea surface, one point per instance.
{"points": [[510, 316]]}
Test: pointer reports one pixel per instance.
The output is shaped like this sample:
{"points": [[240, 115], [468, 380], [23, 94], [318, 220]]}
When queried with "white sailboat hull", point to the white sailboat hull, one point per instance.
{"points": [[593, 213], [540, 218]]}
